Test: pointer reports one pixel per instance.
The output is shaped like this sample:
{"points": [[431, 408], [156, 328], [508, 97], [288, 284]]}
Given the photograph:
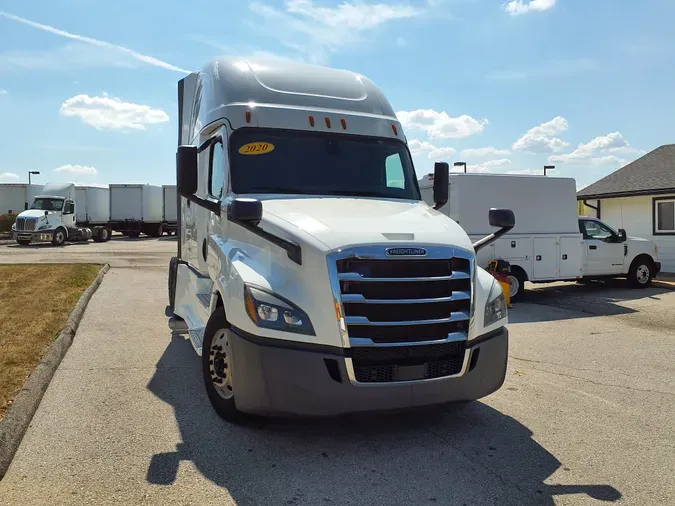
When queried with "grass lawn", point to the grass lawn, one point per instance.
{"points": [[35, 302]]}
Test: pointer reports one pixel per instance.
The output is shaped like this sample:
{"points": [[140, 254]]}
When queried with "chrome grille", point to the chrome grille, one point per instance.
{"points": [[405, 318], [25, 224]]}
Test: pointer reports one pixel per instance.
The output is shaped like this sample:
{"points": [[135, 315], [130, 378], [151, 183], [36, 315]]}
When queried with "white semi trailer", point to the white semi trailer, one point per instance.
{"points": [[17, 197], [53, 217], [136, 209], [170, 208], [311, 275]]}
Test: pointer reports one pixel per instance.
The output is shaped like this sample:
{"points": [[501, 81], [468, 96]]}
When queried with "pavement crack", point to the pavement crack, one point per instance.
{"points": [[600, 383], [614, 371], [504, 481]]}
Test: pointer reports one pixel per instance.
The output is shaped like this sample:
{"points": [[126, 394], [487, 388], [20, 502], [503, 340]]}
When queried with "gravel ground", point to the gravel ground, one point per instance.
{"points": [[586, 416]]}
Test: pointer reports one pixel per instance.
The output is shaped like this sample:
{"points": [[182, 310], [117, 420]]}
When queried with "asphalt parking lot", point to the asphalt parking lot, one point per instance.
{"points": [[586, 415]]}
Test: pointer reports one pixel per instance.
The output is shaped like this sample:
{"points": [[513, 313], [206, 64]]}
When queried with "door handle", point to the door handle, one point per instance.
{"points": [[592, 247]]}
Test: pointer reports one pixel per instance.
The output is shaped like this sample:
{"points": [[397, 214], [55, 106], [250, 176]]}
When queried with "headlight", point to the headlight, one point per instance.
{"points": [[273, 312], [495, 309]]}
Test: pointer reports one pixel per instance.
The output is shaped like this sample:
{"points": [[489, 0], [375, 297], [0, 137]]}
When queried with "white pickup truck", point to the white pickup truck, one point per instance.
{"points": [[550, 242], [312, 277]]}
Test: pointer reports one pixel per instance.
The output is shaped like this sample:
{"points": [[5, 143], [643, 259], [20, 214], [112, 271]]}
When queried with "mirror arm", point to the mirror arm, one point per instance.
{"points": [[211, 205], [293, 251], [485, 241]]}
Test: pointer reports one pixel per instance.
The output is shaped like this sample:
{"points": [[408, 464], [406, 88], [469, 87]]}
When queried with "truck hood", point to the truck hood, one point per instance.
{"points": [[34, 213], [343, 221]]}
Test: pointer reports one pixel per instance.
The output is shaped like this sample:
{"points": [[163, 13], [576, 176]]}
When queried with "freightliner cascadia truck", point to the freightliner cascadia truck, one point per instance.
{"points": [[312, 277]]}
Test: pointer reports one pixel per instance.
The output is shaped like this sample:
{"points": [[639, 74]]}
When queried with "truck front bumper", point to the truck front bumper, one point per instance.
{"points": [[36, 236], [273, 379]]}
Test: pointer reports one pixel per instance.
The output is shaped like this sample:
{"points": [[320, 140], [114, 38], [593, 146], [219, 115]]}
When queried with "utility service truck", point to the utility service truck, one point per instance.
{"points": [[550, 242], [311, 275], [53, 217]]}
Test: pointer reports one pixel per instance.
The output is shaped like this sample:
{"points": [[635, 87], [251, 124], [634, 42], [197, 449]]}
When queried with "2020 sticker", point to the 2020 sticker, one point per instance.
{"points": [[256, 148]]}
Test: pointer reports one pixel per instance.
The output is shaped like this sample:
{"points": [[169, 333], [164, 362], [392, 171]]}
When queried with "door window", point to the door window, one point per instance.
{"points": [[216, 170], [596, 230]]}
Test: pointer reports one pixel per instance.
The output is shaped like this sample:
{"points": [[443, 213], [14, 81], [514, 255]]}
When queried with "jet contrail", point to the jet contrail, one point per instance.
{"points": [[150, 60]]}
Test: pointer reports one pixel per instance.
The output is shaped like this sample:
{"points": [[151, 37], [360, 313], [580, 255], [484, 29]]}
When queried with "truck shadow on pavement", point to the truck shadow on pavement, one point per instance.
{"points": [[468, 454], [567, 301]]}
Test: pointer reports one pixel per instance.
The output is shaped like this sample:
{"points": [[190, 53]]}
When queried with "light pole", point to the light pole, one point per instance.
{"points": [[28, 191], [459, 164], [548, 167], [32, 172]]}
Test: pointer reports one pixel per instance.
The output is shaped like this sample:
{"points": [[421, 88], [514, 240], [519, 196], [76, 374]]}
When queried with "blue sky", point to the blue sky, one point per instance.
{"points": [[88, 90]]}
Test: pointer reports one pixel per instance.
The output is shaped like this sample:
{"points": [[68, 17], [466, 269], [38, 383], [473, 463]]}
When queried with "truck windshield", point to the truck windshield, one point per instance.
{"points": [[282, 161], [46, 204]]}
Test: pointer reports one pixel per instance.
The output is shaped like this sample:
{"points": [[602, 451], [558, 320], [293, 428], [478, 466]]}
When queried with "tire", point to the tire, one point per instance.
{"points": [[517, 284], [173, 270], [97, 234], [104, 234], [641, 272], [59, 237], [23, 242], [156, 231], [217, 368]]}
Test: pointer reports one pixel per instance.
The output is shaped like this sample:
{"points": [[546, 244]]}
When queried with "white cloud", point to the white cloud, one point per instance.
{"points": [[541, 139], [599, 152], [484, 152], [150, 60], [72, 56], [3, 91], [319, 30], [440, 125], [79, 170], [111, 113], [490, 166], [517, 7], [418, 148], [8, 177], [527, 172]]}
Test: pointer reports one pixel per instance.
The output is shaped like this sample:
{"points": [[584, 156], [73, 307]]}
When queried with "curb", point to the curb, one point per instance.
{"points": [[19, 415]]}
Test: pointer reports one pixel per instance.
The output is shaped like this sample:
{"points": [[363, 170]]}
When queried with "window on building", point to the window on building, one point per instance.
{"points": [[665, 216]]}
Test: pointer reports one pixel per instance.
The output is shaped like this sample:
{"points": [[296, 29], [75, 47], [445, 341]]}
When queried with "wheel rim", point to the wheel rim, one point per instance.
{"points": [[642, 274], [220, 364], [514, 286], [104, 234], [59, 236]]}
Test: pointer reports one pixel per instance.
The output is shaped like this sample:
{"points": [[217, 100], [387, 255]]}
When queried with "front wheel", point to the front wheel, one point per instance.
{"points": [[516, 285], [59, 237], [641, 273], [218, 368]]}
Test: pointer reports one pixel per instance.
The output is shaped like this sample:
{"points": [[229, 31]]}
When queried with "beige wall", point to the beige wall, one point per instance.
{"points": [[634, 214]]}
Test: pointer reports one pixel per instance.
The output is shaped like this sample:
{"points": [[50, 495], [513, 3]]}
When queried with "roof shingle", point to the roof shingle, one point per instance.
{"points": [[652, 173]]}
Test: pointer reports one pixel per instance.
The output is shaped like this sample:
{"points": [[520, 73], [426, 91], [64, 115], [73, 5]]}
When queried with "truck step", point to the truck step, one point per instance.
{"points": [[197, 339], [204, 299]]}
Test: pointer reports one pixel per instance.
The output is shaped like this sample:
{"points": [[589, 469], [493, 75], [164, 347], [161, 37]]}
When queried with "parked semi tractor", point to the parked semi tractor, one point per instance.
{"points": [[550, 242], [311, 275], [52, 217]]}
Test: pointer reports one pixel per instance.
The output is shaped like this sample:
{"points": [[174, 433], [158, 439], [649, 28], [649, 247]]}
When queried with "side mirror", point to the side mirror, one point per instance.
{"points": [[502, 218], [441, 181], [622, 235], [186, 170], [245, 211]]}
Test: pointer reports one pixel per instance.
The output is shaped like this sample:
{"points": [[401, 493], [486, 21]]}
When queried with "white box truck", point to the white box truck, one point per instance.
{"points": [[17, 197], [170, 208], [550, 242], [136, 208], [54, 216], [310, 273]]}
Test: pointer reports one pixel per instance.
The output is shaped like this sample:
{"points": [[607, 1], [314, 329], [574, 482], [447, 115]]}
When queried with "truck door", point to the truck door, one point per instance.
{"points": [[545, 258], [603, 257]]}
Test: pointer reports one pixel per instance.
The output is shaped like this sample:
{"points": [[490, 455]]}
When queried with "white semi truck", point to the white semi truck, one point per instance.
{"points": [[16, 197], [311, 275], [53, 216], [550, 242]]}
